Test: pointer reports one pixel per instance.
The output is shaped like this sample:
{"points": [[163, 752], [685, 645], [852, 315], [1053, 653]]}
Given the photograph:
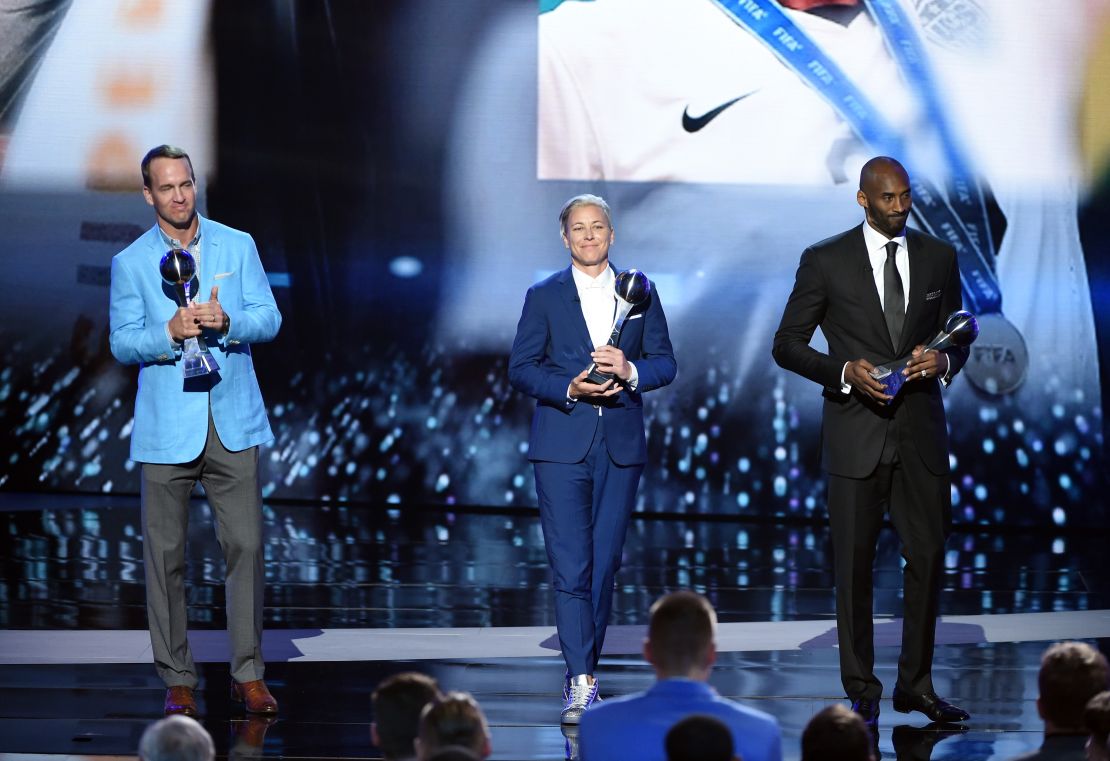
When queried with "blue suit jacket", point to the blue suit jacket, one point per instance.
{"points": [[171, 415], [553, 345], [635, 726]]}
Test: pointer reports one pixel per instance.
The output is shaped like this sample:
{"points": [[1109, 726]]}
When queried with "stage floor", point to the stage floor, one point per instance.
{"points": [[358, 593]]}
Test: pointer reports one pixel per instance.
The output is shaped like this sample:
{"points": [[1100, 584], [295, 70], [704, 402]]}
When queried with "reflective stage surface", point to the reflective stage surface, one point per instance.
{"points": [[471, 590]]}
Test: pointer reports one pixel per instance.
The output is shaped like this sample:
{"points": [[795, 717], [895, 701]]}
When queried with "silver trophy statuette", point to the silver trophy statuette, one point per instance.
{"points": [[960, 329], [632, 288], [178, 268]]}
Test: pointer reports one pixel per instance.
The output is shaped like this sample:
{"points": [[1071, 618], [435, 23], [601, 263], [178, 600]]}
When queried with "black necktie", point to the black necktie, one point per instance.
{"points": [[894, 298]]}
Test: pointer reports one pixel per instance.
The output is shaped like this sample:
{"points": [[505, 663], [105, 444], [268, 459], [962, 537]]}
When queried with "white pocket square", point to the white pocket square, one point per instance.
{"points": [[636, 316], [933, 295], [222, 275]]}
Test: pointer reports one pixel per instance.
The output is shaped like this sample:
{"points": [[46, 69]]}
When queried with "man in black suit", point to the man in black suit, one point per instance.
{"points": [[880, 292]]}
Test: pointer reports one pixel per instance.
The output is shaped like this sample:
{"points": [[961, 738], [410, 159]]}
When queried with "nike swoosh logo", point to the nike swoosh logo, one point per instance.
{"points": [[694, 123]]}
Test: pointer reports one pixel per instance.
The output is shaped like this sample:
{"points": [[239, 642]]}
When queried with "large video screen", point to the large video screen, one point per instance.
{"points": [[401, 166]]}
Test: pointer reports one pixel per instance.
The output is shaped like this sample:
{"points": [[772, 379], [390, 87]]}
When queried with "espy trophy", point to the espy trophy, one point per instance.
{"points": [[178, 267], [960, 329], [632, 288]]}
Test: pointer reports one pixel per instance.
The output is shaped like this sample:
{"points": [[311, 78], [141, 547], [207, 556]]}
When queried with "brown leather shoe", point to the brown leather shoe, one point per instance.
{"points": [[180, 700], [255, 696]]}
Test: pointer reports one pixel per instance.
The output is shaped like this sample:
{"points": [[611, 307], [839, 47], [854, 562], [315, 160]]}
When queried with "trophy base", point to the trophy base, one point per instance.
{"points": [[598, 377], [891, 377], [196, 365]]}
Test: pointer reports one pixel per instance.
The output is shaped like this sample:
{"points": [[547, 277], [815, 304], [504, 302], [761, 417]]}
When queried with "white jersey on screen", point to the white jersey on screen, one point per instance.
{"points": [[627, 90]]}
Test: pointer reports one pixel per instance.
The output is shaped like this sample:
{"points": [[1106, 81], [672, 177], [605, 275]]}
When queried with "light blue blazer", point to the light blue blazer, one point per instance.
{"points": [[171, 414]]}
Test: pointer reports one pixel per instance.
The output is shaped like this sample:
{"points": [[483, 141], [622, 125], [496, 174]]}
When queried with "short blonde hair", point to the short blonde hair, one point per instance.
{"points": [[585, 199]]}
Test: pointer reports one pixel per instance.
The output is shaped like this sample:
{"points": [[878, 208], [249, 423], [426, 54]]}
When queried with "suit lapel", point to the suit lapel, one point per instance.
{"points": [[573, 305], [919, 267], [865, 282], [210, 259], [157, 248]]}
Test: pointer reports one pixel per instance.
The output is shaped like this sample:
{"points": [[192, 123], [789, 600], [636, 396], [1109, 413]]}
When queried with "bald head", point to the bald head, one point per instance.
{"points": [[884, 194], [875, 171]]}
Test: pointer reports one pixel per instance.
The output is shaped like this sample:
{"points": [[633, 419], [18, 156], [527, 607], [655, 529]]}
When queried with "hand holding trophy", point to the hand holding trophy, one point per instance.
{"points": [[632, 288], [178, 268], [960, 329]]}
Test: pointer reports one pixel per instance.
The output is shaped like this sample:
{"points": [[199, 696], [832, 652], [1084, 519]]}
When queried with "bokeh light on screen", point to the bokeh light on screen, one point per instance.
{"points": [[388, 383]]}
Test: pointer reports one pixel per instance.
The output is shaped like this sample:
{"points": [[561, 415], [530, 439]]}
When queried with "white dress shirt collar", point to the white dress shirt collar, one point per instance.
{"points": [[876, 242], [598, 297], [582, 281], [876, 255]]}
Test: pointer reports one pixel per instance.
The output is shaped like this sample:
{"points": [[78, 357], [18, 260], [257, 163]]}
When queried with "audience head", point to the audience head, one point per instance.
{"points": [[454, 754], [397, 704], [176, 738], [1096, 718], [1071, 674], [837, 733], [453, 721], [681, 636], [700, 738]]}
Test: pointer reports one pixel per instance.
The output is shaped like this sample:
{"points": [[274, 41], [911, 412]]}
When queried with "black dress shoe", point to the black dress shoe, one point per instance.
{"points": [[936, 709], [868, 710]]}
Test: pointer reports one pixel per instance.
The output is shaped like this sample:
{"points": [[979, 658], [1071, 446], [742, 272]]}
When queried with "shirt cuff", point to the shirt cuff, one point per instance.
{"points": [[946, 376], [176, 346], [633, 379], [845, 388]]}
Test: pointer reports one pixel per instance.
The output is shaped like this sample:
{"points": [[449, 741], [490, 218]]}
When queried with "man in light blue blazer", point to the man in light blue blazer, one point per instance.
{"points": [[588, 445], [681, 647], [205, 428]]}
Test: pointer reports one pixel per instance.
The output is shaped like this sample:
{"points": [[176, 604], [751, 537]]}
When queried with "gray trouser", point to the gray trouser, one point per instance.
{"points": [[230, 481]]}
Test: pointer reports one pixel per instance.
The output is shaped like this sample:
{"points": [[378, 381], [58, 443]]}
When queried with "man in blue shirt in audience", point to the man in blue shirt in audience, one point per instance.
{"points": [[681, 647]]}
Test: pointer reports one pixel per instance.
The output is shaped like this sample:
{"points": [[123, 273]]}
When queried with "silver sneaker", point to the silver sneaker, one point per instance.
{"points": [[582, 696]]}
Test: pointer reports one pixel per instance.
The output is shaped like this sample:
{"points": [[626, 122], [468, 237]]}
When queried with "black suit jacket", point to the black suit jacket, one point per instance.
{"points": [[835, 290]]}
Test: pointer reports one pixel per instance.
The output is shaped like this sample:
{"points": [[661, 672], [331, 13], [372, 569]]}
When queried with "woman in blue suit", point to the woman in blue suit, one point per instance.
{"points": [[587, 444]]}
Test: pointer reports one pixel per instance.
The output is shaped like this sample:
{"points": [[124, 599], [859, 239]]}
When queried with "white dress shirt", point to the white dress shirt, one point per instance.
{"points": [[876, 254], [876, 242], [599, 303]]}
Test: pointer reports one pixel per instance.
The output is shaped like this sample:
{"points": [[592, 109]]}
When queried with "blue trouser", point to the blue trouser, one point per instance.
{"points": [[584, 512]]}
